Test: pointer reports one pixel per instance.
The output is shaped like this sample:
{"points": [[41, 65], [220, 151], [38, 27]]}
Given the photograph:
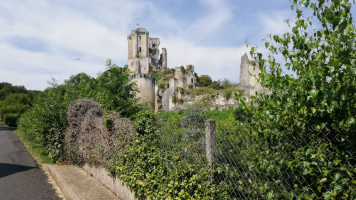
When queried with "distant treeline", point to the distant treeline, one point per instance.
{"points": [[14, 101]]}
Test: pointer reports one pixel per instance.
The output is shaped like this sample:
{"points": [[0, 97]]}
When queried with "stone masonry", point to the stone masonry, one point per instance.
{"points": [[144, 58]]}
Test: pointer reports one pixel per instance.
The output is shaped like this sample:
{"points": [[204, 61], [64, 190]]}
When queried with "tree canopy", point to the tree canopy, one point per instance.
{"points": [[310, 118]]}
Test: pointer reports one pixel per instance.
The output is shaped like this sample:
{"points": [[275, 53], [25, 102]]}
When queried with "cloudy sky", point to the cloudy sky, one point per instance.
{"points": [[40, 39]]}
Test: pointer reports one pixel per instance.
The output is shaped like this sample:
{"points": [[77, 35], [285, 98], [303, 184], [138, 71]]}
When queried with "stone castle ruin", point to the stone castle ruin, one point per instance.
{"points": [[144, 60], [144, 54]]}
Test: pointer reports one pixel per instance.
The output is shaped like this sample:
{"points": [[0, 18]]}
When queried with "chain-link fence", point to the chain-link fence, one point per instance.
{"points": [[308, 165]]}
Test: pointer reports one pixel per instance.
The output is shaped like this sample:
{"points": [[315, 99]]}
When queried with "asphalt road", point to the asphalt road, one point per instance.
{"points": [[20, 176]]}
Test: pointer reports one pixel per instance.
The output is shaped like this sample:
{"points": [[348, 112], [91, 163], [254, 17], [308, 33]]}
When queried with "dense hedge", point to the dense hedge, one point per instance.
{"points": [[46, 121]]}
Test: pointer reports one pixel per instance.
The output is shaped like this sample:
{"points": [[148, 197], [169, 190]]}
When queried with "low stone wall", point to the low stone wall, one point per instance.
{"points": [[117, 186]]}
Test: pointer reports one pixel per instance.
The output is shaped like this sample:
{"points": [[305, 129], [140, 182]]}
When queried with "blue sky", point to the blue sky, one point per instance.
{"points": [[40, 39]]}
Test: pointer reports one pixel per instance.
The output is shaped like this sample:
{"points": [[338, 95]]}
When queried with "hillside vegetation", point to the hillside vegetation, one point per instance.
{"points": [[296, 143]]}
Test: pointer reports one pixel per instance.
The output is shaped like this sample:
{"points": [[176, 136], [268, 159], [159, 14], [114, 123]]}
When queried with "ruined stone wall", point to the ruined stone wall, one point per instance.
{"points": [[248, 77], [164, 58], [153, 45], [143, 44], [244, 72], [146, 85], [139, 65]]}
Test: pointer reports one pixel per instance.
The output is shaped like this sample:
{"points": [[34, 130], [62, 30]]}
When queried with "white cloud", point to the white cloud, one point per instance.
{"points": [[273, 23], [219, 63], [94, 30], [34, 69]]}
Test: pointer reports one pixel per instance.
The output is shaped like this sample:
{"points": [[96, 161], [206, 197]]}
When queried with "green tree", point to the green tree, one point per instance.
{"points": [[115, 91], [7, 89], [12, 108], [308, 122], [204, 80], [225, 83]]}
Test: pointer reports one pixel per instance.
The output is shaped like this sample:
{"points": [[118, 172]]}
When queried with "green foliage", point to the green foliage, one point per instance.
{"points": [[307, 124], [175, 99], [193, 115], [145, 121], [190, 67], [218, 115], [14, 100], [225, 83], [45, 123], [7, 88], [12, 108], [10, 119], [115, 91], [204, 81], [181, 90], [243, 112], [156, 174], [162, 86], [163, 77], [215, 85], [228, 94], [183, 70], [157, 171]]}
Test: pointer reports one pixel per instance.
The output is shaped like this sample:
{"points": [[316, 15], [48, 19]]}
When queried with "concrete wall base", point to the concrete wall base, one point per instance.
{"points": [[117, 186]]}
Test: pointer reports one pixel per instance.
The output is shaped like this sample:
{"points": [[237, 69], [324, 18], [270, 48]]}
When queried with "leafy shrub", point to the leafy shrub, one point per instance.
{"points": [[45, 123], [306, 126], [7, 88], [10, 119], [228, 94], [183, 70], [145, 121], [204, 81], [13, 106], [193, 115]]}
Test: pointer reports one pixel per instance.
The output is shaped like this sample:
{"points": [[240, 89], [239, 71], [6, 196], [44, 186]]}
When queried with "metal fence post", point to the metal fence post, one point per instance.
{"points": [[210, 140]]}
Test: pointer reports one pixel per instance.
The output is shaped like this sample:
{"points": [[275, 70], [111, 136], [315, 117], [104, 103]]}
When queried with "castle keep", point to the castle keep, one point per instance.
{"points": [[145, 62], [143, 52]]}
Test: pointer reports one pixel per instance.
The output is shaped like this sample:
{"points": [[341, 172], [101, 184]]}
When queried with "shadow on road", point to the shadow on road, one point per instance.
{"points": [[4, 128], [8, 169]]}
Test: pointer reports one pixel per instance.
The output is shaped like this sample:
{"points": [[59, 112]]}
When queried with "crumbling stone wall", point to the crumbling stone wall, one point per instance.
{"points": [[90, 138], [248, 77]]}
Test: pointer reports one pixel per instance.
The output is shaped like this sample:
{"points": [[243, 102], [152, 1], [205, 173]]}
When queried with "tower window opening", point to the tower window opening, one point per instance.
{"points": [[139, 49], [191, 80]]}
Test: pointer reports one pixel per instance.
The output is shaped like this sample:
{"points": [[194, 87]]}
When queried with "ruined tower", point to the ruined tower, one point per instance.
{"points": [[248, 77], [164, 58], [244, 72], [143, 53]]}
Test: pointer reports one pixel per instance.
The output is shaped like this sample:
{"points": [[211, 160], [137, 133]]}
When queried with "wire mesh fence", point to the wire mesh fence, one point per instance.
{"points": [[308, 165]]}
